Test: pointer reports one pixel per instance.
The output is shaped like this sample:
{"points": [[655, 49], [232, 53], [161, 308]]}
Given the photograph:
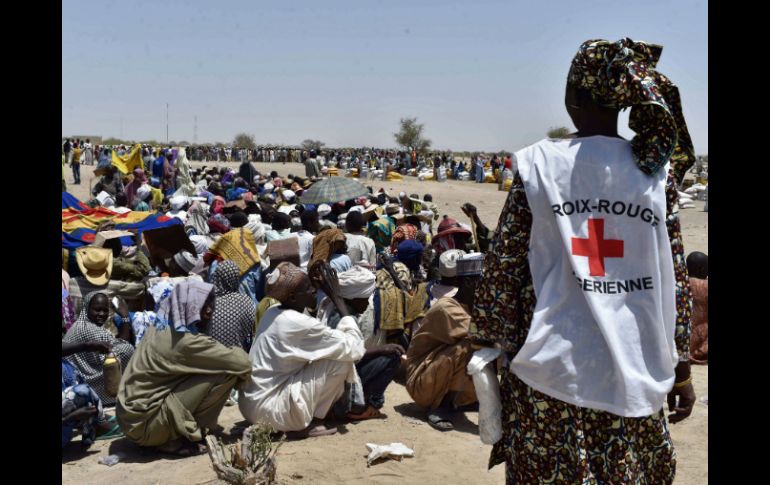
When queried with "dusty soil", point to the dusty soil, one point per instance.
{"points": [[456, 457]]}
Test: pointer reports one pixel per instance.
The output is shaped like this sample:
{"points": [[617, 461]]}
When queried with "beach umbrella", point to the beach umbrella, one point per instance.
{"points": [[333, 189]]}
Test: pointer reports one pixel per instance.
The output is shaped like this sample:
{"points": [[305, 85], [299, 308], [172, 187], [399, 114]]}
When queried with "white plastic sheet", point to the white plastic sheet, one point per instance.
{"points": [[393, 450]]}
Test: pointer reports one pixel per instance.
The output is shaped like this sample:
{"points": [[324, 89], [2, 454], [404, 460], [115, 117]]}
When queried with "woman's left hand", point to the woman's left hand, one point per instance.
{"points": [[681, 401]]}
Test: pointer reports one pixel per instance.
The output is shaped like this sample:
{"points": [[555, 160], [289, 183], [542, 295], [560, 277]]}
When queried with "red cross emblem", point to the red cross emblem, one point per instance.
{"points": [[596, 248]]}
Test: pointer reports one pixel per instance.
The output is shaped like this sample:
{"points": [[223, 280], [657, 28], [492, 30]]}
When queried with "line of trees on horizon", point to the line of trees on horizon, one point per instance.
{"points": [[409, 137]]}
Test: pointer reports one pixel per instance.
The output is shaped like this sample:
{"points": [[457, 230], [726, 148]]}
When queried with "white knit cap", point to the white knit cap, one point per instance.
{"points": [[447, 262], [324, 210]]}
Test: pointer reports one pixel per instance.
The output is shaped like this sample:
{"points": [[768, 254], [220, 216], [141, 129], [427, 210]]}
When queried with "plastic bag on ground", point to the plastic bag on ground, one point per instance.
{"points": [[393, 450], [488, 392]]}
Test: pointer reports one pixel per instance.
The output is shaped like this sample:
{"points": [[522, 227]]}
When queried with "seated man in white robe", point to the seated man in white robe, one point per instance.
{"points": [[299, 365], [380, 363]]}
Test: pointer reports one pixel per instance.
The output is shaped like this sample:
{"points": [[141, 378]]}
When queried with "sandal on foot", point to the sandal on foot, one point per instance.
{"points": [[440, 421], [115, 432], [369, 413], [311, 432]]}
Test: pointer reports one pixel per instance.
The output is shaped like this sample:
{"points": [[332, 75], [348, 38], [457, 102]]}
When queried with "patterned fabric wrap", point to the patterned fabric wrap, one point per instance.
{"points": [[381, 232], [183, 308], [239, 246], [140, 322], [534, 423], [233, 318], [73, 398], [395, 309], [404, 232], [549, 438], [67, 310], [622, 74]]}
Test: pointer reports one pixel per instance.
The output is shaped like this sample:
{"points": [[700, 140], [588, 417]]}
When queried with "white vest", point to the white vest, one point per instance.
{"points": [[602, 333]]}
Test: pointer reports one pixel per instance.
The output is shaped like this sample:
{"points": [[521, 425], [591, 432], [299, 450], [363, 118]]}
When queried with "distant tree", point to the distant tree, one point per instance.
{"points": [[184, 143], [558, 132], [410, 136], [243, 140], [312, 145]]}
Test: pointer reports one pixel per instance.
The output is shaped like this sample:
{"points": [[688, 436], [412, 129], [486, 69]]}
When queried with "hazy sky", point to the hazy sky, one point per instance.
{"points": [[481, 75]]}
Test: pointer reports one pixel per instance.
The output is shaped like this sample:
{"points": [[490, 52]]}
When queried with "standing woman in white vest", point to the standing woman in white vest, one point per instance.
{"points": [[585, 286]]}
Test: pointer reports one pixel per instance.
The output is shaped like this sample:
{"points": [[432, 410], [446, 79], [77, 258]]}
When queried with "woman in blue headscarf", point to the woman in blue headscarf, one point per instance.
{"points": [[410, 253]]}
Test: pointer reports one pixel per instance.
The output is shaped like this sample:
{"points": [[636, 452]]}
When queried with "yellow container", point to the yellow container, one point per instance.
{"points": [[112, 373]]}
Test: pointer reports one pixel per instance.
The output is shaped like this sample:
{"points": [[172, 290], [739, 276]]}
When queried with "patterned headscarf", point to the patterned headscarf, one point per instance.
{"points": [[234, 316], [381, 232], [622, 74], [404, 232], [218, 224], [226, 278], [323, 245], [284, 281], [183, 308], [239, 246]]}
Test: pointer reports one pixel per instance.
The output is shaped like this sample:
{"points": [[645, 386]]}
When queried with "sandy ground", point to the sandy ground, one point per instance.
{"points": [[456, 457]]}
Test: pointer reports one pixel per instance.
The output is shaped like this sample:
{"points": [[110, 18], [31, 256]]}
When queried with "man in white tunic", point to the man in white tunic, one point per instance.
{"points": [[299, 365]]}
